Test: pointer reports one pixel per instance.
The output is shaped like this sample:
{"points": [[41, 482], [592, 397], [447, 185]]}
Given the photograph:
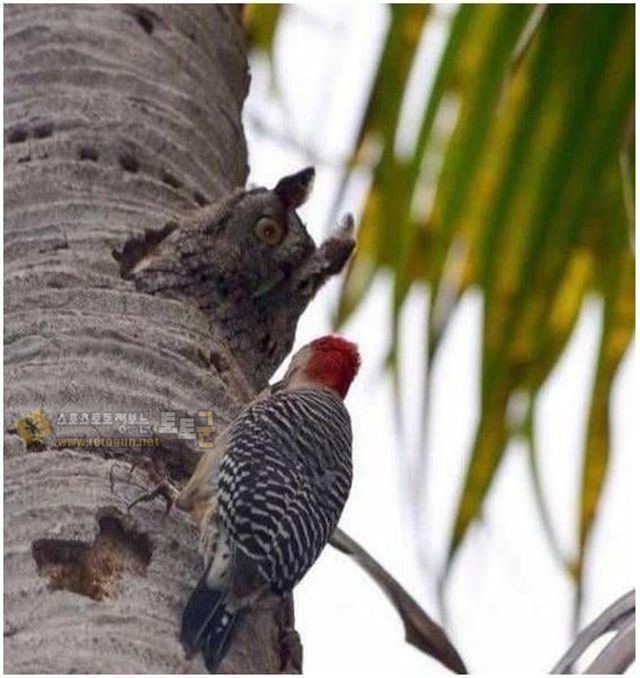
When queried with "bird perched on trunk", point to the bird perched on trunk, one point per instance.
{"points": [[268, 496]]}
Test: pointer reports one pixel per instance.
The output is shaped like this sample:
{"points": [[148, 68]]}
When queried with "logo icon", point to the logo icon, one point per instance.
{"points": [[33, 427]]}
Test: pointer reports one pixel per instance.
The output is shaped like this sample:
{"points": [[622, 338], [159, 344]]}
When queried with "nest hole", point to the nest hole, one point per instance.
{"points": [[145, 21], [129, 163], [171, 180], [43, 130], [17, 135], [94, 569], [88, 153], [200, 199]]}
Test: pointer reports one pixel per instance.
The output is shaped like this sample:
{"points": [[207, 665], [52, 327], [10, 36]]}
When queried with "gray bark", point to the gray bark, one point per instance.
{"points": [[116, 119]]}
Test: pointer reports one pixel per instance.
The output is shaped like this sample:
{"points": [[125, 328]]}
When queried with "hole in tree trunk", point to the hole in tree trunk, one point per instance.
{"points": [[93, 570]]}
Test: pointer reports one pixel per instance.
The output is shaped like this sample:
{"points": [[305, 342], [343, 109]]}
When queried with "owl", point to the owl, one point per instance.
{"points": [[247, 262]]}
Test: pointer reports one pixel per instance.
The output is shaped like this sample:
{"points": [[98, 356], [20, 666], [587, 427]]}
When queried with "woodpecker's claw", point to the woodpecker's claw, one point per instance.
{"points": [[163, 489]]}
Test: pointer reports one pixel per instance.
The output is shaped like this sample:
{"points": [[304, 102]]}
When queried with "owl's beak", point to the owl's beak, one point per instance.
{"points": [[268, 285]]}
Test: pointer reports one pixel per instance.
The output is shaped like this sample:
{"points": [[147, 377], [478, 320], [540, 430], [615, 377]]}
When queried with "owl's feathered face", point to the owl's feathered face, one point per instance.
{"points": [[237, 249], [259, 237]]}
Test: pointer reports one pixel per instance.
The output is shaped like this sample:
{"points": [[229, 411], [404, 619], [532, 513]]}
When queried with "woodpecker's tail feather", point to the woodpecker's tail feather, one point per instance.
{"points": [[198, 613], [208, 625], [218, 640]]}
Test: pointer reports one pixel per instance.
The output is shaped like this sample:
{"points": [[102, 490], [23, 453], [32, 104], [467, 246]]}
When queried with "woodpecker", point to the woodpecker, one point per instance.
{"points": [[270, 493]]}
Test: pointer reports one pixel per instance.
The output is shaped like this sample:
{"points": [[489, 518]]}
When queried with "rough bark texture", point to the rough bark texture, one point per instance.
{"points": [[116, 119]]}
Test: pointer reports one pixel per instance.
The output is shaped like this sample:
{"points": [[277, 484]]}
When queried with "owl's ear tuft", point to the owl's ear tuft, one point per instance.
{"points": [[294, 189]]}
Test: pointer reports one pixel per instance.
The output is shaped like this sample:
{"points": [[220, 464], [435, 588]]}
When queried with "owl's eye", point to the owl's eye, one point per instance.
{"points": [[269, 231]]}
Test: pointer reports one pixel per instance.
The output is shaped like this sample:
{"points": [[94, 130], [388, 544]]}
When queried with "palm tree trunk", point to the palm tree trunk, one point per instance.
{"points": [[116, 118]]}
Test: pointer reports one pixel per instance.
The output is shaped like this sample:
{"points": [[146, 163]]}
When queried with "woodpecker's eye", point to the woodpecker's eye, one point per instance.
{"points": [[269, 230]]}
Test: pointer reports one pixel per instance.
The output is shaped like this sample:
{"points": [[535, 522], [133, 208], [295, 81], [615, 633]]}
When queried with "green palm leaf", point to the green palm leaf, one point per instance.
{"points": [[519, 184]]}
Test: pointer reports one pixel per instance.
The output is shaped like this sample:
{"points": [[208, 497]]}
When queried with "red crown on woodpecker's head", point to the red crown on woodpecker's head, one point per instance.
{"points": [[334, 362]]}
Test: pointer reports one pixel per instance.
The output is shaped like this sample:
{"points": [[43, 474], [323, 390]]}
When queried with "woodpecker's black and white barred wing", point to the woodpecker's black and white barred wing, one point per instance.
{"points": [[284, 480]]}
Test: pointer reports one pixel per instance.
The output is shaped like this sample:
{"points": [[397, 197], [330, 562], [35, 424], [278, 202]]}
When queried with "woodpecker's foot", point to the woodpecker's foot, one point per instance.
{"points": [[163, 489]]}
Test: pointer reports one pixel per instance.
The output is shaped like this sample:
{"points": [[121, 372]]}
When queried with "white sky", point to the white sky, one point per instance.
{"points": [[509, 602]]}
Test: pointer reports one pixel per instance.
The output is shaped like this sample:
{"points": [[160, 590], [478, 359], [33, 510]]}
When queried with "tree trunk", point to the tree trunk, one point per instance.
{"points": [[116, 119]]}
